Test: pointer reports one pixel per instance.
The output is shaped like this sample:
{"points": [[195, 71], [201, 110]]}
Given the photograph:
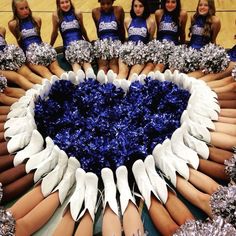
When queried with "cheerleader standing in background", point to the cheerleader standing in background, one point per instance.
{"points": [[171, 23], [78, 51], [109, 22], [140, 28], [41, 57]]}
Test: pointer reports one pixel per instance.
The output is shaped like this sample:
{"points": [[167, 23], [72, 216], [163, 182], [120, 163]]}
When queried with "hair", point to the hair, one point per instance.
{"points": [[146, 12], [18, 20], [60, 12], [211, 12], [175, 13]]}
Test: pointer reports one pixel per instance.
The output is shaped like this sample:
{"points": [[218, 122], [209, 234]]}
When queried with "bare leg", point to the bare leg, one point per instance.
{"points": [[161, 218], [17, 188], [86, 66], [2, 137], [28, 74], [196, 74], [225, 128], [228, 103], [6, 100], [11, 175], [226, 96], [159, 67], [85, 226], [227, 88], [38, 216], [41, 70], [228, 112], [2, 127], [4, 110], [3, 149], [111, 224], [135, 69], [66, 225], [202, 181], [113, 65], [16, 78], [194, 196], [56, 69], [27, 202], [76, 67], [219, 155], [213, 169], [6, 162], [14, 92], [123, 70], [102, 65], [178, 211], [223, 141], [132, 222], [148, 67], [227, 120], [3, 118], [221, 82]]}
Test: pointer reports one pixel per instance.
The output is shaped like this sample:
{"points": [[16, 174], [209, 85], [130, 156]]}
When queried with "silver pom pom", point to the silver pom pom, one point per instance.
{"points": [[41, 54], [214, 59], [106, 49], [12, 58], [223, 203], [234, 72], [217, 227], [131, 53], [79, 52], [7, 223], [3, 83], [185, 59], [230, 169], [159, 52]]}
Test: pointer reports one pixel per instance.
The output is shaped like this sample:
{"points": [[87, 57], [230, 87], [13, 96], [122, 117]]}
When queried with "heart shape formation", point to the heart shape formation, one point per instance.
{"points": [[109, 122]]}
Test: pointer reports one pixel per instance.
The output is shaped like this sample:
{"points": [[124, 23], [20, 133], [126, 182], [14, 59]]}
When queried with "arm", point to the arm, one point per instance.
{"points": [[158, 15], [183, 20], [55, 26], [12, 28], [79, 16], [95, 15], [216, 25], [120, 16], [3, 31], [151, 28]]}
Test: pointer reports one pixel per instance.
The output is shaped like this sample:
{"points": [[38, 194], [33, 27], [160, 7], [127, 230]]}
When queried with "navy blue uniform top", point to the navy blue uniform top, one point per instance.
{"points": [[232, 53], [168, 29], [198, 39], [108, 26], [70, 28], [3, 42], [29, 34], [138, 30]]}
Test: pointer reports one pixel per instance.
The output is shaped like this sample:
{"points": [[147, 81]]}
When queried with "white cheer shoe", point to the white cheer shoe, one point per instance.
{"points": [[35, 145], [157, 182], [109, 190], [143, 182], [36, 159], [123, 188], [53, 178]]}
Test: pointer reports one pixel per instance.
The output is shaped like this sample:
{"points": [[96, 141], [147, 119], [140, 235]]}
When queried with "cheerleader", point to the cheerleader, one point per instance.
{"points": [[205, 25], [109, 22], [140, 28], [40, 56], [78, 50]]}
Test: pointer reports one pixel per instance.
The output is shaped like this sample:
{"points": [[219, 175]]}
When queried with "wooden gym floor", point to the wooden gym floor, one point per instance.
{"points": [[226, 11]]}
